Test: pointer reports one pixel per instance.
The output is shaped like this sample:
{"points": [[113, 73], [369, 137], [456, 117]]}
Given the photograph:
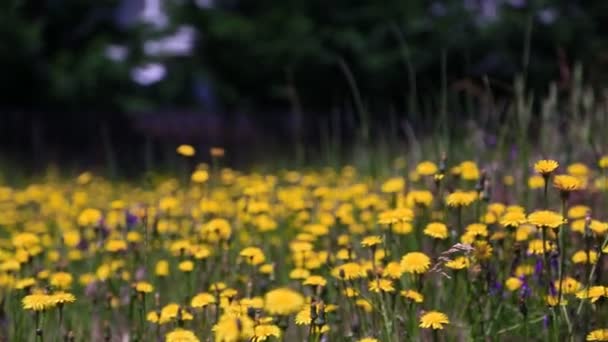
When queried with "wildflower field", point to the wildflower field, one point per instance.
{"points": [[487, 247]]}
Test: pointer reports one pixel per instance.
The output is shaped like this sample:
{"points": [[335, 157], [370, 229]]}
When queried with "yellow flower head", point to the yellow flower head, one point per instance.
{"points": [[578, 211], [437, 230], [513, 283], [536, 182], [545, 219], [458, 263], [461, 198], [253, 255], [513, 219], [231, 328], [579, 170], [535, 247], [434, 320], [162, 268], [569, 285], [412, 295], [200, 176], [37, 302], [393, 185], [419, 198], [581, 257], [144, 287], [415, 262], [61, 298], [348, 271], [315, 280], [185, 150], [598, 335], [283, 301], [370, 241], [368, 339], [62, 280], [202, 299], [594, 293], [263, 331], [567, 183], [426, 168], [381, 285], [545, 166], [181, 335]]}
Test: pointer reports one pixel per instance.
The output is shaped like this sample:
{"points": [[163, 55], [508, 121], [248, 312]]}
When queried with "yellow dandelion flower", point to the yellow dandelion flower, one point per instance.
{"points": [[392, 270], [598, 227], [37, 302], [483, 250], [381, 285], [580, 257], [200, 176], [461, 198], [437, 230], [594, 293], [371, 241], [434, 320], [545, 166], [253, 255], [162, 268], [524, 270], [567, 183], [232, 328], [367, 339], [283, 301], [412, 295], [536, 182], [513, 219], [579, 170], [554, 301], [426, 168], [545, 219], [263, 331], [569, 285], [315, 280], [415, 262], [598, 335], [402, 228], [299, 273], [181, 335], [186, 266], [348, 271], [62, 280], [25, 283], [202, 300], [364, 304], [422, 198], [535, 247], [578, 211], [116, 245], [477, 229], [144, 287], [458, 263], [513, 284], [393, 185], [185, 150], [61, 298]]}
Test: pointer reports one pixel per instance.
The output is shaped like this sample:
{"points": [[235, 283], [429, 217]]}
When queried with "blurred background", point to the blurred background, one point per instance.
{"points": [[118, 84]]}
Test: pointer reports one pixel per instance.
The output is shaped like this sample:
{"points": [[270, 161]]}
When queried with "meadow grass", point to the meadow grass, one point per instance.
{"points": [[489, 226]]}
